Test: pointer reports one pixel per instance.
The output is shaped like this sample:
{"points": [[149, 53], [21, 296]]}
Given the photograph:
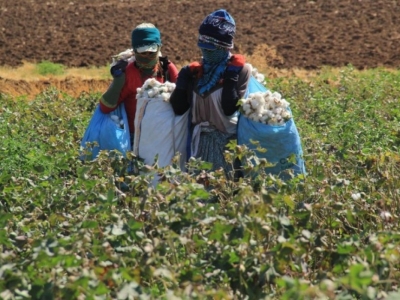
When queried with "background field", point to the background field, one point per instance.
{"points": [[273, 33]]}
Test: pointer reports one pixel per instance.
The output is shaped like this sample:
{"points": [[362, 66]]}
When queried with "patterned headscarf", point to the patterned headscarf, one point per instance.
{"points": [[216, 34], [217, 30], [214, 64]]}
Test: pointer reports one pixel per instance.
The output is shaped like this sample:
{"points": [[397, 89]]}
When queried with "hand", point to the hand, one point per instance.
{"points": [[119, 68]]}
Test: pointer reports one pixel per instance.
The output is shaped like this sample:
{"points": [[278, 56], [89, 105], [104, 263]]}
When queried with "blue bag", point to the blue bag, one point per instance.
{"points": [[281, 142], [107, 133]]}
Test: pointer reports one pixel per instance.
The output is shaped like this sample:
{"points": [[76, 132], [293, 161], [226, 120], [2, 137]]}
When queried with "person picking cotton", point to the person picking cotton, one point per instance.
{"points": [[130, 74], [210, 90]]}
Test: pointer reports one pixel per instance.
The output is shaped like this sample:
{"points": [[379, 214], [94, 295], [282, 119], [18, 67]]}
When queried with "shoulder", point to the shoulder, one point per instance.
{"points": [[247, 68]]}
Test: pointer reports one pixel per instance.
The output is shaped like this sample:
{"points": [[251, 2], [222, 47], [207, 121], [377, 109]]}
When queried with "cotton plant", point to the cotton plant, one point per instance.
{"points": [[153, 89], [266, 107]]}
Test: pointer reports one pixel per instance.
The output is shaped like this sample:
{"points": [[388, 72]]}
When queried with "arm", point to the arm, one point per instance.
{"points": [[179, 98], [109, 100], [173, 73], [235, 83]]}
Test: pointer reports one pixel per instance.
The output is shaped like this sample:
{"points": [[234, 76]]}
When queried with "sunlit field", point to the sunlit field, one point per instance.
{"points": [[74, 230]]}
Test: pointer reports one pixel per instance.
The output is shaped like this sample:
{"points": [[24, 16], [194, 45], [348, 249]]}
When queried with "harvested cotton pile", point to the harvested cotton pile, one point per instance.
{"points": [[153, 89], [266, 107]]}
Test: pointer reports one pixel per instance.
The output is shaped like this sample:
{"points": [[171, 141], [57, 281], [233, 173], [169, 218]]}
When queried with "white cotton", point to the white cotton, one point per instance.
{"points": [[165, 96], [255, 103], [266, 107], [253, 116], [268, 94], [264, 119], [115, 118], [277, 110], [248, 111], [260, 77], [286, 115], [162, 89], [170, 87], [276, 95], [246, 106], [151, 82]]}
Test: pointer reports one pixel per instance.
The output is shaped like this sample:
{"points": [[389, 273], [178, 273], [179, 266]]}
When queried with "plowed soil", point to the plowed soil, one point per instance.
{"points": [[301, 33]]}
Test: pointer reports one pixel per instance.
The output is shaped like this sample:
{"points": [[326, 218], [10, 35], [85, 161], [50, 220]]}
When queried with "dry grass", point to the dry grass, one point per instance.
{"points": [[25, 80], [28, 72]]}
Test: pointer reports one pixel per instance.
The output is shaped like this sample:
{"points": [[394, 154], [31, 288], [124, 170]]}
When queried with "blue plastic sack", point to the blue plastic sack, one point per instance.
{"points": [[281, 142], [108, 135]]}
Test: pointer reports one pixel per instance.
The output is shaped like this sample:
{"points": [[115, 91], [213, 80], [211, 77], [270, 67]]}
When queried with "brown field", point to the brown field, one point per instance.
{"points": [[276, 35]]}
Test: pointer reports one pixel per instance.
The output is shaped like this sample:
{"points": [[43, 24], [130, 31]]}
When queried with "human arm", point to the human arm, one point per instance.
{"points": [[179, 98], [235, 83], [173, 73], [109, 100]]}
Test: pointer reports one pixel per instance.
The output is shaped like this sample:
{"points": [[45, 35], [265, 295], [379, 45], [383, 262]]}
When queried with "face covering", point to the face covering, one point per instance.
{"points": [[147, 62], [214, 64]]}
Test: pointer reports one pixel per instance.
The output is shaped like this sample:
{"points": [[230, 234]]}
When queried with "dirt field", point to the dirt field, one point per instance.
{"points": [[300, 33]]}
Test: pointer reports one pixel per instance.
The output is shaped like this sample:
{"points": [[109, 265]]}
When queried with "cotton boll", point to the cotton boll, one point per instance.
{"points": [[264, 119], [273, 120], [151, 93], [284, 103], [253, 116], [115, 118], [248, 111], [170, 86], [267, 94], [277, 110], [278, 102], [286, 115], [276, 95], [255, 103], [279, 120], [165, 96], [260, 77], [152, 82], [162, 89], [246, 106]]}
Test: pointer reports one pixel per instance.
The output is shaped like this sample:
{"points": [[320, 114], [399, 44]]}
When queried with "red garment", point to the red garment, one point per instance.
{"points": [[134, 80]]}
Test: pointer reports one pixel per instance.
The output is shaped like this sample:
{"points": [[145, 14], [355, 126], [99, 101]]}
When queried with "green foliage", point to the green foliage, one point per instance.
{"points": [[49, 68], [90, 230]]}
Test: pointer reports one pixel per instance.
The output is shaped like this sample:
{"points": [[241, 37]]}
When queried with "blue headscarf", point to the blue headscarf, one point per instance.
{"points": [[214, 64]]}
